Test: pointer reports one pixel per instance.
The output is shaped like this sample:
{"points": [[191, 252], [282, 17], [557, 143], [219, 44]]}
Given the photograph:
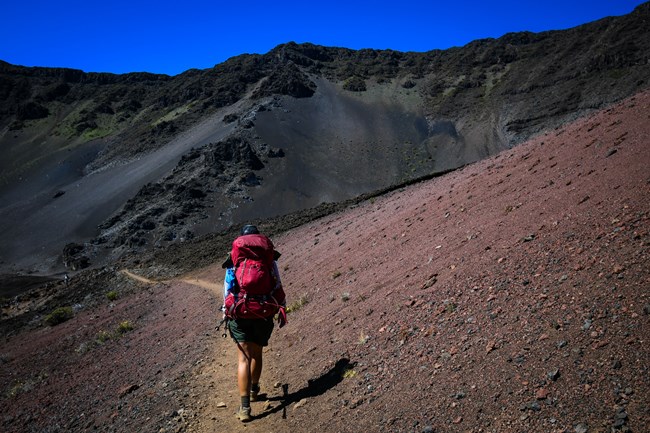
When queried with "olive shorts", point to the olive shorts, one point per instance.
{"points": [[251, 330]]}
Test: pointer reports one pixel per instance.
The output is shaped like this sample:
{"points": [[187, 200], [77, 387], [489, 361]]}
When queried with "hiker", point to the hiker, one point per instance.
{"points": [[253, 294]]}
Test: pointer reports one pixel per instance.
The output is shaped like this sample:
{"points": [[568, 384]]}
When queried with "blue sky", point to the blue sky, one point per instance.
{"points": [[170, 37]]}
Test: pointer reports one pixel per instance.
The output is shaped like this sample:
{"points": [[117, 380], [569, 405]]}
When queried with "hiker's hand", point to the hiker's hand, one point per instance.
{"points": [[282, 318]]}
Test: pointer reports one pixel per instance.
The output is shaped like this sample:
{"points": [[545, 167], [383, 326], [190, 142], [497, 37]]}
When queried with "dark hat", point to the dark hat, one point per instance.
{"points": [[249, 229]]}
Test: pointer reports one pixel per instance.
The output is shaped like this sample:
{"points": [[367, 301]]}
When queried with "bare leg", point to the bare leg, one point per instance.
{"points": [[249, 368], [256, 362], [243, 369]]}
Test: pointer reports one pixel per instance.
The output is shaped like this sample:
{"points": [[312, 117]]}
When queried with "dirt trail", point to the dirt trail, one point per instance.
{"points": [[138, 277], [215, 410], [215, 287]]}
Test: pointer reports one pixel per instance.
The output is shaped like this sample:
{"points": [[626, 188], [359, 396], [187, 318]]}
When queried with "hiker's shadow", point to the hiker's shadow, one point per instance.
{"points": [[315, 387]]}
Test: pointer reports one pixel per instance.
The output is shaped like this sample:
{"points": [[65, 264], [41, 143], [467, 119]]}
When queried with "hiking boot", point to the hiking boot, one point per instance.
{"points": [[244, 414], [255, 391]]}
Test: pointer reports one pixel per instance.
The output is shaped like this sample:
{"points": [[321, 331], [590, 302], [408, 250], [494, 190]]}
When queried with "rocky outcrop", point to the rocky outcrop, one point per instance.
{"points": [[286, 80], [163, 211]]}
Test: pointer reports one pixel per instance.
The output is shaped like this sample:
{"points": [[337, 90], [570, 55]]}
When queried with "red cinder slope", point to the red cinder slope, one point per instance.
{"points": [[457, 298]]}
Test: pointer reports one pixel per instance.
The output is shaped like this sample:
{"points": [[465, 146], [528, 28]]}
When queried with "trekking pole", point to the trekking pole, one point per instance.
{"points": [[285, 395], [223, 321]]}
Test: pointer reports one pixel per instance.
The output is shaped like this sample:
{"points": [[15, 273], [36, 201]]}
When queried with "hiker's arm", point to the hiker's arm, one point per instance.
{"points": [[278, 291], [281, 297], [276, 275]]}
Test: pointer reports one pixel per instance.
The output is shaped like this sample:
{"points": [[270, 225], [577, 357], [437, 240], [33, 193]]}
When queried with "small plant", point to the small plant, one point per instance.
{"points": [[336, 274], [103, 336], [125, 327], [345, 296], [15, 389], [298, 304], [112, 295], [363, 338], [25, 385], [59, 315]]}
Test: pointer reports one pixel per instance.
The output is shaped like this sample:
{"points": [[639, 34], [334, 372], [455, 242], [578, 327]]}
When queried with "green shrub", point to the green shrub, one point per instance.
{"points": [[298, 304], [363, 338], [112, 295], [15, 389], [104, 336], [348, 372], [59, 315], [25, 385], [125, 327]]}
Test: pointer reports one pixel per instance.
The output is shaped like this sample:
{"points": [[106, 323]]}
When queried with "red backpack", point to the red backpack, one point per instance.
{"points": [[256, 296]]}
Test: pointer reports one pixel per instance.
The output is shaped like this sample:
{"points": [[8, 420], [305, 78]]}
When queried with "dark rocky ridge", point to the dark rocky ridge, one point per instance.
{"points": [[345, 122]]}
